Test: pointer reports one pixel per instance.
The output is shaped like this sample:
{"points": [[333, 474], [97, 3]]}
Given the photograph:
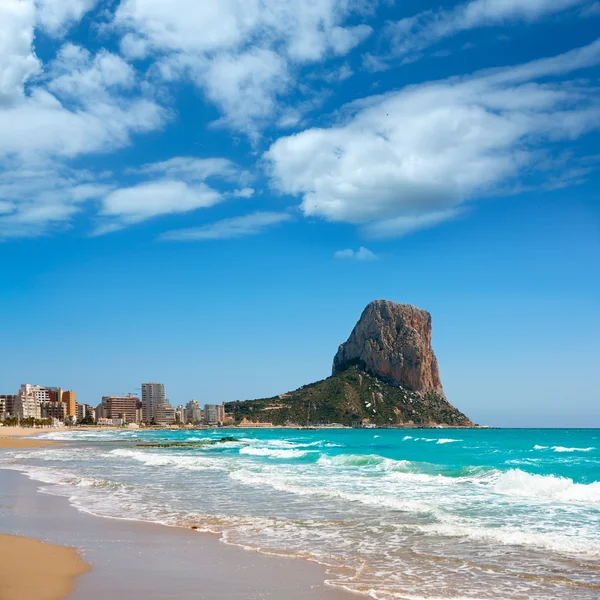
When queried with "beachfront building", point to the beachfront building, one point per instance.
{"points": [[110, 422], [120, 407], [57, 411], [84, 411], [153, 394], [165, 414], [194, 412], [214, 414], [7, 405], [181, 414], [69, 398], [253, 425], [55, 394], [29, 399]]}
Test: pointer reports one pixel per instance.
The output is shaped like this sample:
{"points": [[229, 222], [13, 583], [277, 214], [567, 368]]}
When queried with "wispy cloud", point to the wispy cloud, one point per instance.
{"points": [[174, 186], [362, 254], [235, 227], [410, 36]]}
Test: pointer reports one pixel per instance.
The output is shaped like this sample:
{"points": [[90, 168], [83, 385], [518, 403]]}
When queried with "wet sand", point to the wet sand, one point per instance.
{"points": [[138, 561]]}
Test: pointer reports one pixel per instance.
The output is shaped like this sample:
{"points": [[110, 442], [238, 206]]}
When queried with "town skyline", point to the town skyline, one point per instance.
{"points": [[54, 406]]}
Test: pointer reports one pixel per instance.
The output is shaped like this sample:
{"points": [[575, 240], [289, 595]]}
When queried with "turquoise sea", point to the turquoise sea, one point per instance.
{"points": [[393, 513]]}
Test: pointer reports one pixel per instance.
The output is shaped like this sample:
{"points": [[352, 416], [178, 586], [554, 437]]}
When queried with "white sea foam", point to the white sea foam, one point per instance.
{"points": [[64, 436], [276, 452], [284, 484], [198, 462], [570, 544], [447, 441], [563, 449], [374, 461], [519, 483]]}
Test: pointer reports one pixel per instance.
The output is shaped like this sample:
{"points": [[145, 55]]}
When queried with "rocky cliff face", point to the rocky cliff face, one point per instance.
{"points": [[393, 342]]}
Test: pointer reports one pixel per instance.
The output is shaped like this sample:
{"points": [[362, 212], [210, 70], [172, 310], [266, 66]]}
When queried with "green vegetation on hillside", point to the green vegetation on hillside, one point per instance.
{"points": [[350, 397]]}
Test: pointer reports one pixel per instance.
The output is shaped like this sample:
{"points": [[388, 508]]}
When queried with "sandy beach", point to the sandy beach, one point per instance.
{"points": [[135, 560], [30, 568], [14, 437], [36, 570]]}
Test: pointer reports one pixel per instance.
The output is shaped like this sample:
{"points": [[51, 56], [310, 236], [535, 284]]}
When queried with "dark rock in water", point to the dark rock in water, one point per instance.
{"points": [[188, 444]]}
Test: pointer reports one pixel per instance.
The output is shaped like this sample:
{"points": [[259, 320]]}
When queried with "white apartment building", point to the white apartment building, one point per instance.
{"points": [[29, 399], [153, 394], [214, 413], [193, 411]]}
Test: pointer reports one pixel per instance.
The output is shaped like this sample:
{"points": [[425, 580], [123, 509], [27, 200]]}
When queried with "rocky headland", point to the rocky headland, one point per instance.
{"points": [[386, 373]]}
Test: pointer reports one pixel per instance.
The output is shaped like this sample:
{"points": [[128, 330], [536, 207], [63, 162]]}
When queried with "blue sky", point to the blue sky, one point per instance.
{"points": [[208, 193]]}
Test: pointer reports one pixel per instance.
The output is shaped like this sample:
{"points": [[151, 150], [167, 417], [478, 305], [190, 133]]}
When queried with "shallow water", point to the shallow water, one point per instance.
{"points": [[394, 513]]}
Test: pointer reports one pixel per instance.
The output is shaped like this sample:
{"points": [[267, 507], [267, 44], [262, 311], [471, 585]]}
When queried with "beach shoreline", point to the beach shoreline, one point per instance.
{"points": [[135, 559], [13, 438]]}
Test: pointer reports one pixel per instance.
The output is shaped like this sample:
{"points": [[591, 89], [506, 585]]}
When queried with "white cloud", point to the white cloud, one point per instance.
{"points": [[416, 33], [81, 104], [362, 254], [145, 200], [244, 193], [56, 16], [173, 186], [42, 125], [399, 226], [339, 74], [408, 159], [87, 104], [36, 199], [191, 168], [235, 227], [248, 52], [18, 61], [245, 85]]}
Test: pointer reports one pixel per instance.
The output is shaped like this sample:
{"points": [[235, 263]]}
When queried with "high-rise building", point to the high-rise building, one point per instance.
{"points": [[29, 400], [68, 397], [153, 394], [214, 414], [193, 411], [120, 407]]}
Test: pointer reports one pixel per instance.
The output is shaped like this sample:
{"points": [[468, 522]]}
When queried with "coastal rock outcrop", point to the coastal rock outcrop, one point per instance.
{"points": [[393, 342], [385, 375]]}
